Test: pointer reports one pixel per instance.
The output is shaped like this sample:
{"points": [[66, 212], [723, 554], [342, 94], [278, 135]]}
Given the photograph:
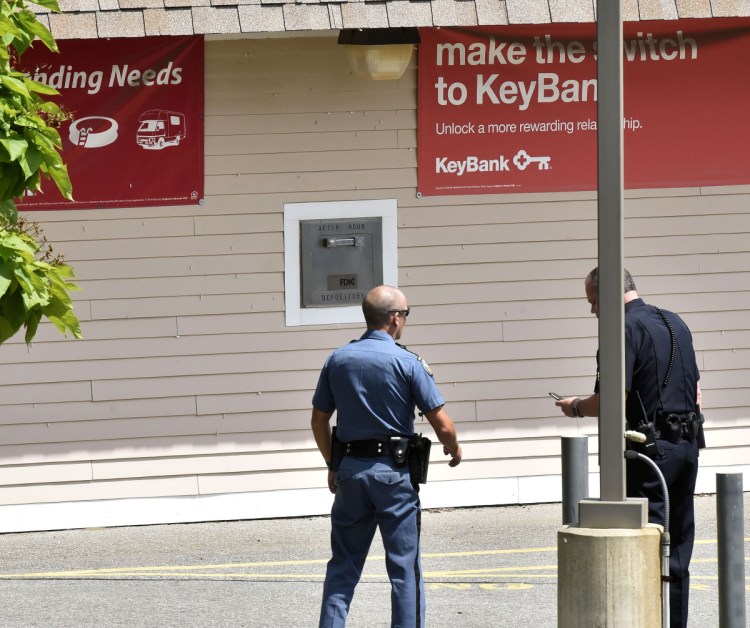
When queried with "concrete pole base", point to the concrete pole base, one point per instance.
{"points": [[609, 578]]}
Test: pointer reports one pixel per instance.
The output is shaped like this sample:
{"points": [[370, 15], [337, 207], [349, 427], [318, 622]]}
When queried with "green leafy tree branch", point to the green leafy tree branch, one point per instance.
{"points": [[34, 283]]}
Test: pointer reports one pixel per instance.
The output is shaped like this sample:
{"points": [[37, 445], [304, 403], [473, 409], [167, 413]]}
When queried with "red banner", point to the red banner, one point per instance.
{"points": [[513, 109], [136, 137]]}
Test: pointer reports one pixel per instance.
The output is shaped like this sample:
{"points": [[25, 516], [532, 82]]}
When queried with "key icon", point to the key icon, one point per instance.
{"points": [[522, 160]]}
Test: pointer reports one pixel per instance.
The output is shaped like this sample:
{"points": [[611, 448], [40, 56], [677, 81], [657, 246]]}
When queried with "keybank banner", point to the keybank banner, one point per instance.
{"points": [[513, 109], [136, 133]]}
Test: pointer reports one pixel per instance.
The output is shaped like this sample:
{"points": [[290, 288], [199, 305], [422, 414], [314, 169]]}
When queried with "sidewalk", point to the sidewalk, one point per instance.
{"points": [[494, 566]]}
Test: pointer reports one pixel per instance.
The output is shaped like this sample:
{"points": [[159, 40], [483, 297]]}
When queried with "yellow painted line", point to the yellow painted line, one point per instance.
{"points": [[249, 576], [209, 571], [487, 586], [157, 574], [527, 550], [145, 570], [522, 576], [282, 563], [490, 570]]}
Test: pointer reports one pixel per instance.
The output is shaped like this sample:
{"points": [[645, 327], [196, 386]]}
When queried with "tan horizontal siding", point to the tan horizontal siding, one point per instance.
{"points": [[189, 383], [181, 245], [169, 267], [195, 304], [336, 122], [86, 491], [126, 410], [275, 143], [319, 161]]}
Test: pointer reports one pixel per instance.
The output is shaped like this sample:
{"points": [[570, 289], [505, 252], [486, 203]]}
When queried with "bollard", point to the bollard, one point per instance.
{"points": [[575, 476], [730, 521]]}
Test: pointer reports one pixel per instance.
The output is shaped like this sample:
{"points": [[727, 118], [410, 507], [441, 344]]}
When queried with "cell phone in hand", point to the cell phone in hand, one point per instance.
{"points": [[555, 396]]}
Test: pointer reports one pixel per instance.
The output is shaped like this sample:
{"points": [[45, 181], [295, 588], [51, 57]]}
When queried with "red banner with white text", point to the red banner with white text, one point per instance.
{"points": [[513, 109], [136, 134]]}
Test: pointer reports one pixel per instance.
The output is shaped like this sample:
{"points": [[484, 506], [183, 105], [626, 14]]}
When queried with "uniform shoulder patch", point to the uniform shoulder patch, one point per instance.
{"points": [[425, 366], [422, 361]]}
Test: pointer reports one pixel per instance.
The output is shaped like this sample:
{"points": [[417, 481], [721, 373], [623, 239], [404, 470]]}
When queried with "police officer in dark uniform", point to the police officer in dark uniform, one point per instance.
{"points": [[374, 385], [662, 402]]}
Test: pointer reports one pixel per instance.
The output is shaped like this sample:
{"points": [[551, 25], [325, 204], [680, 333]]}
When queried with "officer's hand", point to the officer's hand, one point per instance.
{"points": [[332, 486], [566, 405], [455, 458]]}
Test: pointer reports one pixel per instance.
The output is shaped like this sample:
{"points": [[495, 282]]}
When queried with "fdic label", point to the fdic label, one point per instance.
{"points": [[342, 282]]}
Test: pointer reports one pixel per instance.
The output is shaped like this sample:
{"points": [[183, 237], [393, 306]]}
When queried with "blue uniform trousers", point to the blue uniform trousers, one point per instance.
{"points": [[374, 493], [678, 463]]}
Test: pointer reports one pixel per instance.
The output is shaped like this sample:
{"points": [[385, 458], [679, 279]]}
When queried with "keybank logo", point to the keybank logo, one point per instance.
{"points": [[472, 163]]}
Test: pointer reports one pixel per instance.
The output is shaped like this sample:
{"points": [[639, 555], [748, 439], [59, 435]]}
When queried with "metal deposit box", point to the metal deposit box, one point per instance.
{"points": [[341, 260]]}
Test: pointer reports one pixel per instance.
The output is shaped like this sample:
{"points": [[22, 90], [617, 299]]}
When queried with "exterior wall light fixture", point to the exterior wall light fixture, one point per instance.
{"points": [[380, 53]]}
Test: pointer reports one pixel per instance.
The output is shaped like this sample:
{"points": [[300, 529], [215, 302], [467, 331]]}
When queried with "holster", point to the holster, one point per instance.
{"points": [[419, 458], [337, 450], [696, 426]]}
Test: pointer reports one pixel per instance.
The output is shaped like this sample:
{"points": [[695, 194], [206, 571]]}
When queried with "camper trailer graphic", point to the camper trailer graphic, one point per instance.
{"points": [[159, 128]]}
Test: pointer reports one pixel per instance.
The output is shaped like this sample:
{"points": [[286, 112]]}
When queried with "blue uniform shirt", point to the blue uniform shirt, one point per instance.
{"points": [[374, 385]]}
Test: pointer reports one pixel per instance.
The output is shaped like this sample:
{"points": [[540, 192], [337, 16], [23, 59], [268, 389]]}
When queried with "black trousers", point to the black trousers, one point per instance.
{"points": [[678, 463]]}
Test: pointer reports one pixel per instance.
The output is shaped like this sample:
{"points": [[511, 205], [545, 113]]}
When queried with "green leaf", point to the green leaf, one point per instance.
{"points": [[59, 174], [59, 309], [34, 27], [8, 27], [6, 329], [6, 278], [16, 146], [32, 324], [52, 5], [31, 160], [49, 138], [12, 179], [18, 244], [12, 314], [8, 210], [14, 84], [40, 88]]}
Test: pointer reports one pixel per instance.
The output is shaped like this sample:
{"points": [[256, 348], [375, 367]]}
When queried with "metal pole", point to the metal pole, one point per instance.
{"points": [[575, 476], [730, 521], [611, 308]]}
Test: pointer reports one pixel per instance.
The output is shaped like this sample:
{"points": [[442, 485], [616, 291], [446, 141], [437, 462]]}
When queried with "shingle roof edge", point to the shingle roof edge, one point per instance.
{"points": [[91, 19]]}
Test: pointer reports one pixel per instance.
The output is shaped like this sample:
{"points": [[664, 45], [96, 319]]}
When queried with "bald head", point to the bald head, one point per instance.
{"points": [[378, 301]]}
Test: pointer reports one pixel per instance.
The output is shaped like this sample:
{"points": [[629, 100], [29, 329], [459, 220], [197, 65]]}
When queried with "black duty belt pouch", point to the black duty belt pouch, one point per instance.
{"points": [[399, 447], [649, 447], [419, 458], [671, 428], [337, 450]]}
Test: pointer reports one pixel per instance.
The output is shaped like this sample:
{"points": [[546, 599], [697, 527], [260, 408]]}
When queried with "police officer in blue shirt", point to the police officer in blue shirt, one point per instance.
{"points": [[663, 402], [374, 385]]}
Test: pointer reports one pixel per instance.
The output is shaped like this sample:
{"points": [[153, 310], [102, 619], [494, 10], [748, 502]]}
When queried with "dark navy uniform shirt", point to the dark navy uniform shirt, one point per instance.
{"points": [[648, 347], [374, 385]]}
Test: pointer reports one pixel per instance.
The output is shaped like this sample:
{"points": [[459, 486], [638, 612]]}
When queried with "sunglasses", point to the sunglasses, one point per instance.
{"points": [[403, 313]]}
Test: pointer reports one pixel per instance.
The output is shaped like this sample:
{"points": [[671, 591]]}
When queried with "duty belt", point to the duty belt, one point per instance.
{"points": [[369, 448], [677, 427]]}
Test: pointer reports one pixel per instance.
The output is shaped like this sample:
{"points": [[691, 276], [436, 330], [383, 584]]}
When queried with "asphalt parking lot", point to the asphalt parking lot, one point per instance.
{"points": [[493, 566]]}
